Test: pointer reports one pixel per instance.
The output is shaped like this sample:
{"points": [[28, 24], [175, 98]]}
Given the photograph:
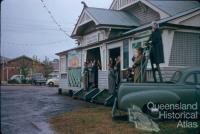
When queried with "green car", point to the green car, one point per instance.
{"points": [[183, 90]]}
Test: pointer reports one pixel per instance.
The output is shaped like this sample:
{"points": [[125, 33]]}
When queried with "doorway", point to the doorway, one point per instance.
{"points": [[93, 54], [114, 53]]}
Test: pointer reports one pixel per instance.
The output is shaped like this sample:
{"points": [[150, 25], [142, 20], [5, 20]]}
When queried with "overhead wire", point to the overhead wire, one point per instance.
{"points": [[31, 44], [53, 18]]}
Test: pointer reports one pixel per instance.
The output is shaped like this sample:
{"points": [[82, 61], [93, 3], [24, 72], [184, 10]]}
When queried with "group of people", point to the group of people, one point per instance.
{"points": [[90, 74], [156, 57]]}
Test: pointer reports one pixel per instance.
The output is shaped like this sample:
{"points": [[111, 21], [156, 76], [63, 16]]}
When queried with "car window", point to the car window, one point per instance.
{"points": [[190, 79], [176, 76], [198, 78]]}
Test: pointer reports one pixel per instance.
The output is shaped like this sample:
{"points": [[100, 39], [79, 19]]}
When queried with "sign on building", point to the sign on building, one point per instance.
{"points": [[74, 59]]}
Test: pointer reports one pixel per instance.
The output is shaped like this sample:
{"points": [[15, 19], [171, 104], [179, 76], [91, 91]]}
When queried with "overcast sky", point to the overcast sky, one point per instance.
{"points": [[27, 28]]}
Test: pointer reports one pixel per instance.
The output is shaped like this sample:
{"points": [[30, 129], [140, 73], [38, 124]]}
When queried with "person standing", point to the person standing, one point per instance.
{"points": [[111, 79], [137, 66], [156, 54], [86, 77], [95, 73], [117, 71]]}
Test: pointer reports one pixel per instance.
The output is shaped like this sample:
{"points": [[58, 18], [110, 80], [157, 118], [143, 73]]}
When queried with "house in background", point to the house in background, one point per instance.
{"points": [[55, 68], [15, 66], [55, 65], [4, 60], [108, 33]]}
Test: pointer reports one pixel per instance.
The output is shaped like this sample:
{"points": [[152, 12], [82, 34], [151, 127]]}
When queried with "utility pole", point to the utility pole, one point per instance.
{"points": [[0, 22], [0, 41]]}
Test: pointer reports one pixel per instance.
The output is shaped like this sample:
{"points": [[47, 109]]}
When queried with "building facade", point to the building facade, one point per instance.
{"points": [[108, 33], [15, 66]]}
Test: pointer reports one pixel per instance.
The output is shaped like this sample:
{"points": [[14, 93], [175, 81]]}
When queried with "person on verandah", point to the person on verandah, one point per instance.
{"points": [[156, 54], [111, 79], [137, 66], [85, 77]]}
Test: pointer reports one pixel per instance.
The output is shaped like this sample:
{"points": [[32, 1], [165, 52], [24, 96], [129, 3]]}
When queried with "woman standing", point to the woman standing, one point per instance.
{"points": [[137, 65]]}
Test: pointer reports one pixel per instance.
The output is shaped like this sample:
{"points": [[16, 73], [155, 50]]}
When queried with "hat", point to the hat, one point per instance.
{"points": [[137, 45]]}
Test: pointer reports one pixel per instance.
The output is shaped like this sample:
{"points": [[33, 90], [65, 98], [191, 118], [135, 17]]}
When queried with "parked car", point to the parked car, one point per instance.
{"points": [[53, 81], [184, 87], [17, 78], [38, 79]]}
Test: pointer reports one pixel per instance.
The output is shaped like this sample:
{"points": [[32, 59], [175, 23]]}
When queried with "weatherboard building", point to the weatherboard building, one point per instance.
{"points": [[107, 33]]}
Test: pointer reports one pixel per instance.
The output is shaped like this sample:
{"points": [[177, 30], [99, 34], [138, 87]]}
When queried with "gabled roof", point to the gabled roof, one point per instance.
{"points": [[165, 7], [106, 17], [112, 17], [173, 7], [24, 57], [162, 20]]}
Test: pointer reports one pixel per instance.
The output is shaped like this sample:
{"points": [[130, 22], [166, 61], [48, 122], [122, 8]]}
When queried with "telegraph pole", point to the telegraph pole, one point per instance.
{"points": [[0, 22], [0, 43]]}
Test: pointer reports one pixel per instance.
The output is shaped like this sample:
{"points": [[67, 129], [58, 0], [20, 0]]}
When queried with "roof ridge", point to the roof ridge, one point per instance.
{"points": [[105, 9]]}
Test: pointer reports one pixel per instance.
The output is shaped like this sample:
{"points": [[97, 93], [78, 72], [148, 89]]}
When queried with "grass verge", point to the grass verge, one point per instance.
{"points": [[97, 120]]}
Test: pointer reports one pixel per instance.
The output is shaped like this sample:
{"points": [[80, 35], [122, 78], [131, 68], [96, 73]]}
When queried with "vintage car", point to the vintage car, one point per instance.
{"points": [[184, 87], [53, 81], [38, 79]]}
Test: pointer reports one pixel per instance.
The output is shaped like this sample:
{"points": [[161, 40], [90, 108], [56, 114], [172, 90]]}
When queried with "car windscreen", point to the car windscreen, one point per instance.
{"points": [[176, 77]]}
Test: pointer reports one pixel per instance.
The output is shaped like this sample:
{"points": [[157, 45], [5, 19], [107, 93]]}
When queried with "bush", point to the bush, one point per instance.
{"points": [[24, 81], [13, 81]]}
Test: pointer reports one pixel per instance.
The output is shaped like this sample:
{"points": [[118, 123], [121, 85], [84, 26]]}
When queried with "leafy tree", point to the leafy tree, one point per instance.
{"points": [[24, 67], [48, 68]]}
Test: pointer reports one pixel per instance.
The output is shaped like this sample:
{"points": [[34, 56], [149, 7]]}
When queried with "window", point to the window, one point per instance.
{"points": [[190, 79], [125, 54], [185, 49]]}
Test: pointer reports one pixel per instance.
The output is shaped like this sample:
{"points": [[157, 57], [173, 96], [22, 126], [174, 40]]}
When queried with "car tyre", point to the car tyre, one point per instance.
{"points": [[51, 84]]}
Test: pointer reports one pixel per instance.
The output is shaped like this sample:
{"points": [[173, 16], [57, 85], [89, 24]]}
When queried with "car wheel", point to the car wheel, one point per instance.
{"points": [[152, 113], [51, 84]]}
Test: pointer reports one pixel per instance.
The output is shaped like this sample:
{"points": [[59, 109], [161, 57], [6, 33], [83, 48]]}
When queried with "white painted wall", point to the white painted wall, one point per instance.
{"points": [[167, 39], [63, 82], [93, 37]]}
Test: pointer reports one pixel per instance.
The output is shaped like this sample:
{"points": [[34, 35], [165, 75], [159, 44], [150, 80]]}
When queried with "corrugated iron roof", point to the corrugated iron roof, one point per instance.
{"points": [[163, 20], [173, 7], [113, 17]]}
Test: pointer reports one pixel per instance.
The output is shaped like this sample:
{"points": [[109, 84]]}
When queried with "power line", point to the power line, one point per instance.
{"points": [[53, 18], [29, 44]]}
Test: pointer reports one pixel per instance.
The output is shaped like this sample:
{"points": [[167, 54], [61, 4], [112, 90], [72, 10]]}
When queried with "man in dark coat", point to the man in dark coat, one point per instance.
{"points": [[117, 71], [85, 77], [111, 79], [157, 54]]}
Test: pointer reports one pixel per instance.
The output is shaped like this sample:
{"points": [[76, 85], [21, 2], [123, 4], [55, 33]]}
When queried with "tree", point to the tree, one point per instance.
{"points": [[48, 68], [24, 67]]}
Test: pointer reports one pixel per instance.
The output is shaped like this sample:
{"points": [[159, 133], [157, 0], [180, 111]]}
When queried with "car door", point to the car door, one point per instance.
{"points": [[198, 89], [187, 92]]}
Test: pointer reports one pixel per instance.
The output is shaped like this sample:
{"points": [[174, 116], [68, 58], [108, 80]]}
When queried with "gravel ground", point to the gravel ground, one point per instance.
{"points": [[26, 109]]}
